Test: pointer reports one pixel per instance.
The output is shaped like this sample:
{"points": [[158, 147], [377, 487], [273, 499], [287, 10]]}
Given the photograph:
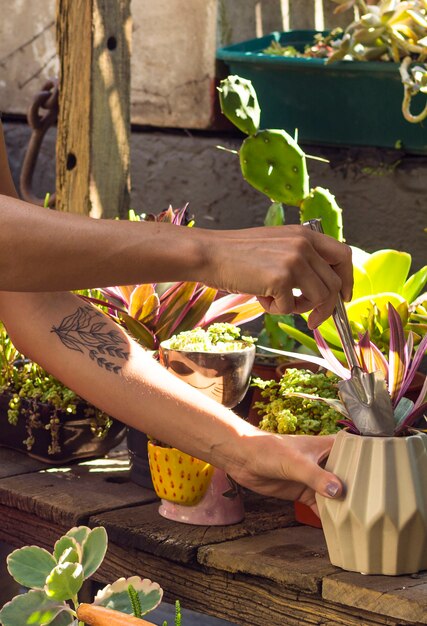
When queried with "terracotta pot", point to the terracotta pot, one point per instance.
{"points": [[305, 515], [380, 525], [75, 437]]}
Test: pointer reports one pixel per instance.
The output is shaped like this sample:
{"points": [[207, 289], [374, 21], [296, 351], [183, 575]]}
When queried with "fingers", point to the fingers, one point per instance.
{"points": [[304, 467], [338, 256]]}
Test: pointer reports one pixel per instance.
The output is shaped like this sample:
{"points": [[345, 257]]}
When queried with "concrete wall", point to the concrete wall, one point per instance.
{"points": [[173, 50]]}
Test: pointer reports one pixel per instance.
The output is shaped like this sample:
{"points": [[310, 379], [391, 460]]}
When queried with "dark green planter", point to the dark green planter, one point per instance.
{"points": [[347, 103]]}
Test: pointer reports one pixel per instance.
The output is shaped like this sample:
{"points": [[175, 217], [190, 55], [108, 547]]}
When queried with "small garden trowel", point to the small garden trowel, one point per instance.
{"points": [[365, 395]]}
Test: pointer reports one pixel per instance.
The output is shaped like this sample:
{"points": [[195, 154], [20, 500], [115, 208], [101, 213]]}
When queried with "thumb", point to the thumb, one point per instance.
{"points": [[323, 482]]}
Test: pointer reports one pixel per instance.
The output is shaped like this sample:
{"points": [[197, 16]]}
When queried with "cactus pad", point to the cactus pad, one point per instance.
{"points": [[320, 203], [239, 103], [273, 163]]}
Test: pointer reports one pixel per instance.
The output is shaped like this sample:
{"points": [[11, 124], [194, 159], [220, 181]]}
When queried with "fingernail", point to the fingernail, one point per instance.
{"points": [[332, 489]]}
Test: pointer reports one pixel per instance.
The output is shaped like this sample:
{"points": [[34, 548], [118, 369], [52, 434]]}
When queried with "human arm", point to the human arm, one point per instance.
{"points": [[67, 251], [64, 334]]}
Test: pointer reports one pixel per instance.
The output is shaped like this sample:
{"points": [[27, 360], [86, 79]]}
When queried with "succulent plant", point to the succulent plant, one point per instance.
{"points": [[399, 368], [218, 337], [54, 581], [380, 278], [283, 412], [389, 30]]}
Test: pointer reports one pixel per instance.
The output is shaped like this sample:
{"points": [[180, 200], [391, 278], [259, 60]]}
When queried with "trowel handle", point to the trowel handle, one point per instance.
{"points": [[339, 315]]}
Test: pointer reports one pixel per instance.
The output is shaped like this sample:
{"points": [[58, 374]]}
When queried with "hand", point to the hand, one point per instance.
{"points": [[287, 467], [272, 262]]}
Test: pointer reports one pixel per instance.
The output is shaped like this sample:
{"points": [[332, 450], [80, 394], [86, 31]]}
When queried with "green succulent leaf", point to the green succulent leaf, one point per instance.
{"points": [[65, 581], [33, 608], [70, 555], [63, 544], [415, 284], [94, 549], [79, 533], [116, 596], [139, 331], [388, 270], [30, 566]]}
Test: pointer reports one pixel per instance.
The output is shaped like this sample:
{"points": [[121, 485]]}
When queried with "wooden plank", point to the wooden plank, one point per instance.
{"points": [[144, 529], [69, 495], [13, 463], [243, 599], [399, 597], [92, 158], [296, 557]]}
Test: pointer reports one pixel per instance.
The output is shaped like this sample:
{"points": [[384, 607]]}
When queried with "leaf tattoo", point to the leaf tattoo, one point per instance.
{"points": [[85, 330]]}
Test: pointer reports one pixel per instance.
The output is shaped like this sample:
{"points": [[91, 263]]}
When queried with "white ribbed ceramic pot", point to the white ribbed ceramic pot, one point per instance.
{"points": [[379, 526]]}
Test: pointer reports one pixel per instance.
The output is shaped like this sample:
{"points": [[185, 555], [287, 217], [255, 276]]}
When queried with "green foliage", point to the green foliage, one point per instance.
{"points": [[29, 385], [239, 103], [30, 566], [275, 215], [273, 335], [55, 581], [272, 162], [320, 203], [281, 412], [216, 338], [389, 31], [380, 279]]}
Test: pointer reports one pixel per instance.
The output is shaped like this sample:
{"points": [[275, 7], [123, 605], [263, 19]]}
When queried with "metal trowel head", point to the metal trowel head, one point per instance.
{"points": [[365, 394], [368, 403]]}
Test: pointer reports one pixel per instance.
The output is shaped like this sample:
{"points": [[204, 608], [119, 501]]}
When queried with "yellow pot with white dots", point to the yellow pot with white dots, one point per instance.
{"points": [[177, 476]]}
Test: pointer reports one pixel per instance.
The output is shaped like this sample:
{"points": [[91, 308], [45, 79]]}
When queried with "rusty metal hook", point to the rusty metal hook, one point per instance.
{"points": [[40, 122]]}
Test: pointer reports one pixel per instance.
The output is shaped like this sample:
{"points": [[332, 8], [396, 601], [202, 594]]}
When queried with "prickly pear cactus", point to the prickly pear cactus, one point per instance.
{"points": [[239, 103], [320, 203], [272, 162]]}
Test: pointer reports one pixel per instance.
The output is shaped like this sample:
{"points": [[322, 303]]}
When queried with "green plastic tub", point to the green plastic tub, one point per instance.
{"points": [[348, 103]]}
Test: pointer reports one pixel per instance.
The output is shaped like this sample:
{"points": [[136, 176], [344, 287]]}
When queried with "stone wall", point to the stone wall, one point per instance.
{"points": [[383, 196]]}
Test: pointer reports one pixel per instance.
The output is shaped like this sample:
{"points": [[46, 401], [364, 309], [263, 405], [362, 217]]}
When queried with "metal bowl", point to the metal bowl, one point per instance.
{"points": [[223, 376]]}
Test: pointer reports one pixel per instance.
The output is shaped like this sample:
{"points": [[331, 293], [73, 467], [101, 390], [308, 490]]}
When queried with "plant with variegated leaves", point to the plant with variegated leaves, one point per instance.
{"points": [[55, 579], [399, 368], [153, 313]]}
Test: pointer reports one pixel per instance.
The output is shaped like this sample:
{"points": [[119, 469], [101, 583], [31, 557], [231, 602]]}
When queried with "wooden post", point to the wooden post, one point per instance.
{"points": [[92, 150]]}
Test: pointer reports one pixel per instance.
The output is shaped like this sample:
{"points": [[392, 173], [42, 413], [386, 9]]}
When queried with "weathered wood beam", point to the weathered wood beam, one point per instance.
{"points": [[92, 152]]}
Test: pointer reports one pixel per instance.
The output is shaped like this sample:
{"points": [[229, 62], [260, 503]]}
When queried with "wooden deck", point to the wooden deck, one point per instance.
{"points": [[266, 570]]}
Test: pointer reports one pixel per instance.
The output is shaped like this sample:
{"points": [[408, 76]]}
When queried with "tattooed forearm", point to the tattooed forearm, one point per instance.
{"points": [[85, 330]]}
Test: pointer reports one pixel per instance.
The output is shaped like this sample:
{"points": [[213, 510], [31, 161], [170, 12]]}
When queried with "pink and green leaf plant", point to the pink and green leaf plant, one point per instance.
{"points": [[155, 312], [399, 368]]}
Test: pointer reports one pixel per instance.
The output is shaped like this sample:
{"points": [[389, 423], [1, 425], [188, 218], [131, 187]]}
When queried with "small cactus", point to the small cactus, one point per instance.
{"points": [[272, 162], [320, 203]]}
